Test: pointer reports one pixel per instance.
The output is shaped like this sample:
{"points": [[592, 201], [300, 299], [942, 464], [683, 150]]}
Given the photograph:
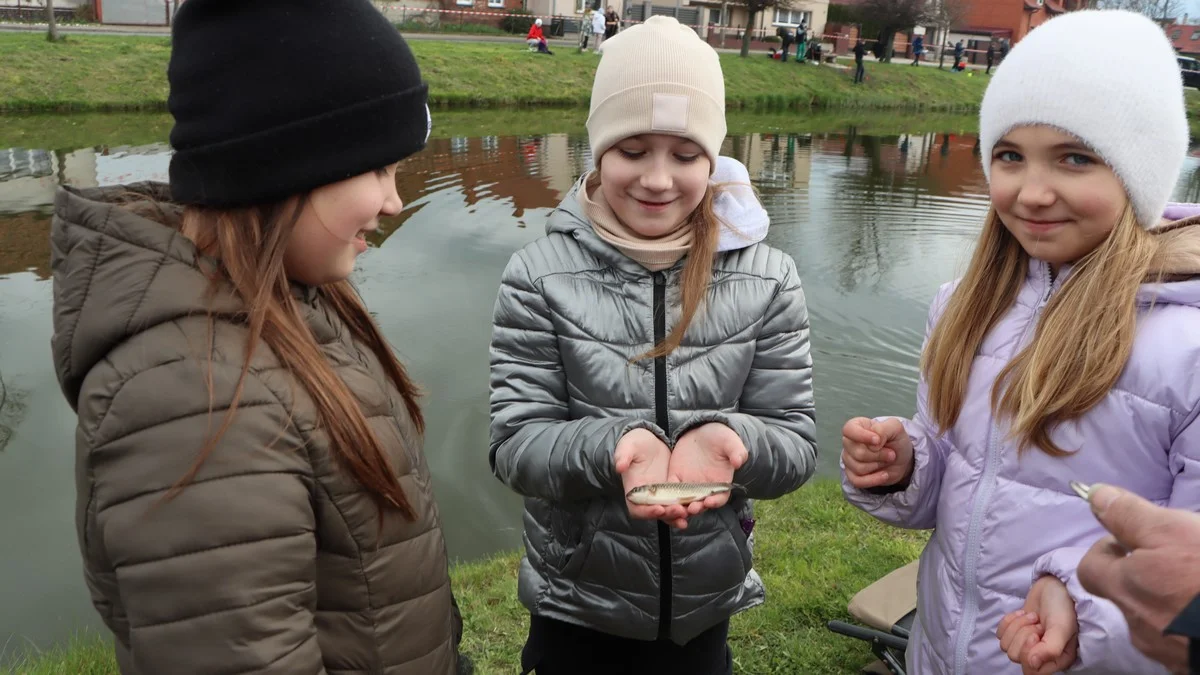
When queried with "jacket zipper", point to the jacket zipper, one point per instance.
{"points": [[664, 422], [983, 498]]}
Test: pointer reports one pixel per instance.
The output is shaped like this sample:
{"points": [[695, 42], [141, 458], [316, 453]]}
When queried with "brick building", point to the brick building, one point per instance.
{"points": [[1007, 19]]}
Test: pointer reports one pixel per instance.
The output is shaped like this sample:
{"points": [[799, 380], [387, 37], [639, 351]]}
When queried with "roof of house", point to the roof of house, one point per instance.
{"points": [[1186, 38]]}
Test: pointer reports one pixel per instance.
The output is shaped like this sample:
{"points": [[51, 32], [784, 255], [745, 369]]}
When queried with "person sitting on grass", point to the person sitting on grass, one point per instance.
{"points": [[536, 39]]}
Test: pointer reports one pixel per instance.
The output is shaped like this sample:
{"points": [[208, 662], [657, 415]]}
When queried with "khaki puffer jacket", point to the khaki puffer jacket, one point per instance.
{"points": [[273, 559]]}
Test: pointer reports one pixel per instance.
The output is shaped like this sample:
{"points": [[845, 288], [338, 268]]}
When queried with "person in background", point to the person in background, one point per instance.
{"points": [[598, 28], [253, 496], [801, 44], [860, 50], [612, 23], [536, 39], [786, 37], [1150, 567], [918, 49], [991, 57]]}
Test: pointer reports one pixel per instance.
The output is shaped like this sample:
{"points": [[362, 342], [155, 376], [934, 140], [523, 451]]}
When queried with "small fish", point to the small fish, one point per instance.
{"points": [[1084, 491], [664, 494]]}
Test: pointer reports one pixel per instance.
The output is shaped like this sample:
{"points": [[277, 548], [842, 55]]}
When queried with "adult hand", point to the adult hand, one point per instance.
{"points": [[1043, 637], [1149, 567], [641, 459], [876, 454], [710, 453]]}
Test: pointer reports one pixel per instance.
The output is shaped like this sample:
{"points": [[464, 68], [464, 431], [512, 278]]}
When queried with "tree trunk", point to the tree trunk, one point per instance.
{"points": [[888, 36], [52, 30], [751, 16]]}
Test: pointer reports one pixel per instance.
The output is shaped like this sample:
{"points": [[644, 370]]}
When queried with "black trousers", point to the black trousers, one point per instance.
{"points": [[560, 648], [860, 73]]}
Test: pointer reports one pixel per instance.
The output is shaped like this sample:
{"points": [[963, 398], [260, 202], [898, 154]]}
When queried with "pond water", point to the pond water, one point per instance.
{"points": [[875, 223]]}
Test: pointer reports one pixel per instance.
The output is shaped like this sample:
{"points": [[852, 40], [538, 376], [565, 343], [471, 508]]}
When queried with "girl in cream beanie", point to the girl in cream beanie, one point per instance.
{"points": [[633, 346]]}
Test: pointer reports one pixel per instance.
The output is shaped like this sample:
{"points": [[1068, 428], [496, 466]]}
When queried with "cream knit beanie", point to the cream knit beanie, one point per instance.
{"points": [[1129, 108], [658, 77]]}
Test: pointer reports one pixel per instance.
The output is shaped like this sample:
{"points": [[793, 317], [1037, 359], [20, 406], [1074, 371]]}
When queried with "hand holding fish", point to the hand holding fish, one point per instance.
{"points": [[710, 453], [641, 459], [876, 454]]}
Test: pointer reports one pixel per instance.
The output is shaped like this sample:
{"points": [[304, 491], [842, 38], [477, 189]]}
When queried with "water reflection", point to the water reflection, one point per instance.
{"points": [[875, 223]]}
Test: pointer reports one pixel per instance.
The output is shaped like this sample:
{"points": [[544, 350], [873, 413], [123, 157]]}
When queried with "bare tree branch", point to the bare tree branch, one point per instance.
{"points": [[1155, 9], [896, 15], [753, 7], [946, 14]]}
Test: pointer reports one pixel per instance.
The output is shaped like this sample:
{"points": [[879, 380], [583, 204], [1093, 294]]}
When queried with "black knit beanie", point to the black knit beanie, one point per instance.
{"points": [[272, 98]]}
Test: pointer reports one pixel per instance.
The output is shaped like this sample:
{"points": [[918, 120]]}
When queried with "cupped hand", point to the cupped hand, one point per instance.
{"points": [[710, 453], [642, 459], [876, 454]]}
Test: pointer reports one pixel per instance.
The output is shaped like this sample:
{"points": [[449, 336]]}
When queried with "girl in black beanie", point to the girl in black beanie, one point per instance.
{"points": [[253, 495]]}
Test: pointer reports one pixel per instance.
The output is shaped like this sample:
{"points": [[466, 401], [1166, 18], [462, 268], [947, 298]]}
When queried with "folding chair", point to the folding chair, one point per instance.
{"points": [[887, 609]]}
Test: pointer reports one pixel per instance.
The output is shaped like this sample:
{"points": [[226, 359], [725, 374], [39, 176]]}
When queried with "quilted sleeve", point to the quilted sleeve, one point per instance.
{"points": [[1104, 639], [1105, 645], [221, 577], [776, 418], [535, 448]]}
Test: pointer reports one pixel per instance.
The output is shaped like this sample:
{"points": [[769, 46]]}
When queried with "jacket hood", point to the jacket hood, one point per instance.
{"points": [[744, 221], [1182, 284], [117, 273], [1184, 289]]}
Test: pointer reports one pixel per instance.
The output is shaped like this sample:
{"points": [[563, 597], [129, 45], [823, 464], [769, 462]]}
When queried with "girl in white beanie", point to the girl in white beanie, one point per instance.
{"points": [[1067, 352], [648, 338]]}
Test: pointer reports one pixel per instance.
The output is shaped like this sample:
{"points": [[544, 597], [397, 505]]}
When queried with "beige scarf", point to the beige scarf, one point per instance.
{"points": [[653, 253]]}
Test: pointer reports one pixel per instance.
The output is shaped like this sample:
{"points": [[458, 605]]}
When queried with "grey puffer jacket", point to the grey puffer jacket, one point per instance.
{"points": [[572, 311]]}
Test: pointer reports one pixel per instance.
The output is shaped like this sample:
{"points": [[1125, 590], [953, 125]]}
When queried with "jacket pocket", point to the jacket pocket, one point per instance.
{"points": [[732, 518], [581, 526], [567, 533]]}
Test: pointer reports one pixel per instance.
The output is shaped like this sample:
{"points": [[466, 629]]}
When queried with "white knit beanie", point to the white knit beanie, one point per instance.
{"points": [[658, 77], [1128, 108]]}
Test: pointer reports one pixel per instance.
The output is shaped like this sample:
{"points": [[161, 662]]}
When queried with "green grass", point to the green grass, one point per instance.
{"points": [[1192, 98], [87, 653], [98, 72], [814, 552], [128, 73]]}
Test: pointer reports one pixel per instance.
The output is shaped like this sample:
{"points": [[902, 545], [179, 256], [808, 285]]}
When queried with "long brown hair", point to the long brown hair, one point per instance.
{"points": [[697, 271], [249, 245], [1081, 342]]}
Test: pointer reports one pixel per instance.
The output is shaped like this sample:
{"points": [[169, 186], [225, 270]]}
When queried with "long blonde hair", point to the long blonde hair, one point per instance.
{"points": [[1082, 341], [697, 271], [250, 242]]}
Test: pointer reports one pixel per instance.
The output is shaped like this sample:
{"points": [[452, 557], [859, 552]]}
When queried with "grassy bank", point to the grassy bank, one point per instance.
{"points": [[105, 73], [93, 72], [813, 551]]}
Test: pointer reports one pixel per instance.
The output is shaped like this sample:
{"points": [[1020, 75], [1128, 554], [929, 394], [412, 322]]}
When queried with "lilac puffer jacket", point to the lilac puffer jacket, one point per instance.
{"points": [[1000, 521]]}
